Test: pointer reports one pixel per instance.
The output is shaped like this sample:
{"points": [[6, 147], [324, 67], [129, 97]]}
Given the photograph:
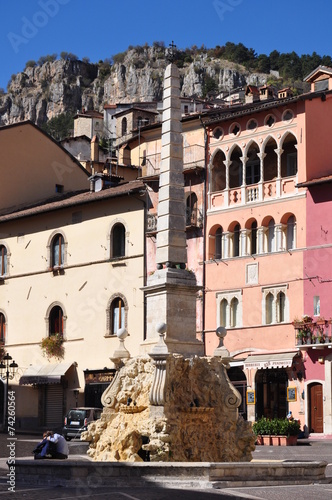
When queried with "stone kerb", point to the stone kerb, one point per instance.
{"points": [[215, 475]]}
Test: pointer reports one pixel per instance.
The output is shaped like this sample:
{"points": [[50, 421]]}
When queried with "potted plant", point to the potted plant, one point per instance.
{"points": [[52, 346], [293, 430], [276, 431], [262, 430], [301, 336]]}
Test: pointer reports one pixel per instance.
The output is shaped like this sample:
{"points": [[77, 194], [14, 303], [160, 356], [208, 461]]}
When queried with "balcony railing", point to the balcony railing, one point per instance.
{"points": [[254, 193], [194, 218], [313, 334], [151, 223]]}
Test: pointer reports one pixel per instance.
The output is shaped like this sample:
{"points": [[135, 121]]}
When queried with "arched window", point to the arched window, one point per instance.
{"points": [[281, 301], [229, 309], [56, 321], [270, 161], [253, 238], [234, 311], [236, 241], [253, 172], [218, 244], [290, 233], [3, 260], [289, 156], [223, 312], [58, 250], [2, 328], [191, 210], [218, 172], [271, 236], [124, 126], [235, 169], [118, 239], [117, 315], [269, 308]]}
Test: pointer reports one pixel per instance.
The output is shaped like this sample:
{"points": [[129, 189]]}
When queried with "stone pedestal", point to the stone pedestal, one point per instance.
{"points": [[171, 299], [197, 421]]}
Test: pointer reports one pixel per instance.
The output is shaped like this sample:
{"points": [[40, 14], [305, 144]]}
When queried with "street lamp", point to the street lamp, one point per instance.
{"points": [[7, 372]]}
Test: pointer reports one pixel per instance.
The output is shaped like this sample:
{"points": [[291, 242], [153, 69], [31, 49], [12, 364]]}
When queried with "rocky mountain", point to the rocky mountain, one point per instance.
{"points": [[44, 91]]}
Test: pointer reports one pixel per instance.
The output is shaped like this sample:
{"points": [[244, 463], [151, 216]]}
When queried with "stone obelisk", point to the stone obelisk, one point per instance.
{"points": [[171, 291]]}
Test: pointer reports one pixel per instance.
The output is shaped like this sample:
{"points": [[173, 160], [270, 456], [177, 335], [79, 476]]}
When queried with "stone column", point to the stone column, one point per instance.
{"points": [[279, 152], [171, 291], [171, 235], [260, 240], [261, 157]]}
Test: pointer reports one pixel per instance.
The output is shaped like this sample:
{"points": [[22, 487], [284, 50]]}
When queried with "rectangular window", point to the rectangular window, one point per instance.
{"points": [[322, 85], [316, 305], [58, 188]]}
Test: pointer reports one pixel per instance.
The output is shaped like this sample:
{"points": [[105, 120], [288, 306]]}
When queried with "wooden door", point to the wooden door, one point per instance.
{"points": [[316, 408]]}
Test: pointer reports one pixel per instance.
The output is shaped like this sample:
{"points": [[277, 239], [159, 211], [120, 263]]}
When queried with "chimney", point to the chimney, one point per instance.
{"points": [[94, 149]]}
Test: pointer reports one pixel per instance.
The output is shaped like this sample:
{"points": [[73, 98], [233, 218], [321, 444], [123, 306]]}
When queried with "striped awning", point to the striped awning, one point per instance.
{"points": [[270, 360], [44, 374]]}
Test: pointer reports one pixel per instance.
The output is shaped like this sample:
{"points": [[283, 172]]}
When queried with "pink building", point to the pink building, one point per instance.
{"points": [[267, 235]]}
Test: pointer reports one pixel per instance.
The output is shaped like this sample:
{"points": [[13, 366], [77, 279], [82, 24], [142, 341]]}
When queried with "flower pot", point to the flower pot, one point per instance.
{"points": [[283, 440], [275, 440], [259, 440], [291, 440], [266, 440]]}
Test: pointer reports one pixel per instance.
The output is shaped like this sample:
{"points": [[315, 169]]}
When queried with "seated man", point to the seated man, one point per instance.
{"points": [[53, 445]]}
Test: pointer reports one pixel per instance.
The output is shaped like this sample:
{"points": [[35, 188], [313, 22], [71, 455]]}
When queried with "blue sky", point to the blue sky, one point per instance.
{"points": [[100, 28]]}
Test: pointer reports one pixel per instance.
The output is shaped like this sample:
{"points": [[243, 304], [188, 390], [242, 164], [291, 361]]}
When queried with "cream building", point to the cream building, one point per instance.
{"points": [[73, 264]]}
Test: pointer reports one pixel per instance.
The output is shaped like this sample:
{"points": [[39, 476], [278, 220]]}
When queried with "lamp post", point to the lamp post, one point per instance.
{"points": [[7, 372]]}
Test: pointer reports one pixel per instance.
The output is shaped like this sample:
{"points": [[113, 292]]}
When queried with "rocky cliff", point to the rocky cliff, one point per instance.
{"points": [[65, 86]]}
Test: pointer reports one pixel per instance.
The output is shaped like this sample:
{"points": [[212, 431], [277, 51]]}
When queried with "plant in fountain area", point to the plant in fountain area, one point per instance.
{"points": [[52, 346]]}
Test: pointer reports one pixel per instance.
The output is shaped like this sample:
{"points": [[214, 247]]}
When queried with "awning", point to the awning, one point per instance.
{"points": [[45, 374], [271, 360]]}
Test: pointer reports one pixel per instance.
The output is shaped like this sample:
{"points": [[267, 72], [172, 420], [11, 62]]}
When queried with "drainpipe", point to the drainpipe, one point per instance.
{"points": [[204, 228], [145, 202]]}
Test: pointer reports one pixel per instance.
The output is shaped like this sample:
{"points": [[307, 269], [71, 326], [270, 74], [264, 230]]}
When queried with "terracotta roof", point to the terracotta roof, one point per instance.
{"points": [[314, 182], [214, 116], [136, 108], [316, 72], [74, 199]]}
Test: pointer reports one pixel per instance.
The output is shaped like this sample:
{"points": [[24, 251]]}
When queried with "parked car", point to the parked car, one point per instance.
{"points": [[77, 420]]}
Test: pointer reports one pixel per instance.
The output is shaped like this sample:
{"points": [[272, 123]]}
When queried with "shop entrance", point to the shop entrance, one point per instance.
{"points": [[315, 392], [271, 391], [238, 379]]}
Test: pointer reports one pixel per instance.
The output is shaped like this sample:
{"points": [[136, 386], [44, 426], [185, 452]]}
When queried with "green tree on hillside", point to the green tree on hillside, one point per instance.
{"points": [[60, 126]]}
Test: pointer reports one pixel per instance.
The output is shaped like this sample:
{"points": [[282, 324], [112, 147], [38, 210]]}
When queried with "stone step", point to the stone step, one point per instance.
{"points": [[77, 471]]}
